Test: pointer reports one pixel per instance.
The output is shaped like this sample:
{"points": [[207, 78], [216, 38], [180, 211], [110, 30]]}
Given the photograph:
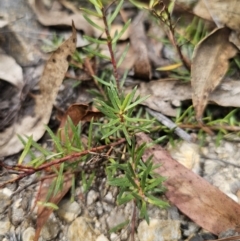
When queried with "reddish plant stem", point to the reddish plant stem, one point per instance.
{"points": [[171, 33], [109, 44], [30, 171], [171, 36], [215, 127]]}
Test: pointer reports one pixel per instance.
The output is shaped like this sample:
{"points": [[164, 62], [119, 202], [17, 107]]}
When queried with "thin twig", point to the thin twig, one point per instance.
{"points": [[171, 33], [171, 125], [109, 44], [215, 127], [31, 171]]}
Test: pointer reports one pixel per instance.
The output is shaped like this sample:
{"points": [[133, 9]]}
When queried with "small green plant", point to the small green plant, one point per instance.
{"points": [[138, 182], [136, 179]]}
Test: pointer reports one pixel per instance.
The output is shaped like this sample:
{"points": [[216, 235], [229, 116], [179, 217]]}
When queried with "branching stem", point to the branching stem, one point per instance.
{"points": [[28, 171]]}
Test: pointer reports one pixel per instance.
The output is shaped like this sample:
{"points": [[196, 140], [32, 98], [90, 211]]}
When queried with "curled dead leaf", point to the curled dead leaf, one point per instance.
{"points": [[77, 112], [60, 18]]}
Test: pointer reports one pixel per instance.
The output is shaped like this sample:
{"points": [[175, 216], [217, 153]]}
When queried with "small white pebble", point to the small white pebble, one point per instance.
{"points": [[7, 192]]}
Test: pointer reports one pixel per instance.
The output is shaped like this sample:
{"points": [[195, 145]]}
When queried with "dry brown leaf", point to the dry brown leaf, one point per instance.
{"points": [[78, 112], [209, 65], [138, 39], [205, 204], [52, 77], [57, 18], [43, 212], [165, 94], [201, 10], [10, 71], [225, 12]]}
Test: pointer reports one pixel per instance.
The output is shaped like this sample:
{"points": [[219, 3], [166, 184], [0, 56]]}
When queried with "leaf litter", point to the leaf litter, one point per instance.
{"points": [[51, 80], [209, 66], [191, 194]]}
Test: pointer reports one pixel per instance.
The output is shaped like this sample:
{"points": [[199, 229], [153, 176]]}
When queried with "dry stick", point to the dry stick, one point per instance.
{"points": [[171, 125], [31, 171], [215, 127], [109, 44]]}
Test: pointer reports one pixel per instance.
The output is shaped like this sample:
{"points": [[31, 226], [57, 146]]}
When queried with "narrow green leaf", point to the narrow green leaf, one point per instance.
{"points": [[94, 53], [119, 227], [24, 142], [73, 188], [127, 198], [50, 190], [119, 182], [130, 169], [55, 139], [157, 182], [90, 131], [126, 134], [126, 101], [59, 181], [135, 103], [111, 132], [157, 201], [123, 56], [48, 205], [93, 23], [131, 180], [111, 123], [94, 40], [45, 152], [36, 162], [26, 150], [143, 209], [98, 9], [115, 13], [91, 12], [54, 155], [101, 81], [115, 39]]}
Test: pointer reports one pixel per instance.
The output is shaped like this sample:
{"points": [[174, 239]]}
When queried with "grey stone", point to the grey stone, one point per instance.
{"points": [[115, 218], [50, 229], [102, 238], [68, 210], [5, 201], [81, 230], [4, 227], [159, 230], [92, 197], [28, 234]]}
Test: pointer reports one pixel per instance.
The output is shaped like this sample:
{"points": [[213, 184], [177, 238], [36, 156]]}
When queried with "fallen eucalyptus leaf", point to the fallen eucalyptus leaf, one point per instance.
{"points": [[225, 12], [209, 65], [142, 67], [205, 204], [60, 18], [32, 124], [163, 93]]}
